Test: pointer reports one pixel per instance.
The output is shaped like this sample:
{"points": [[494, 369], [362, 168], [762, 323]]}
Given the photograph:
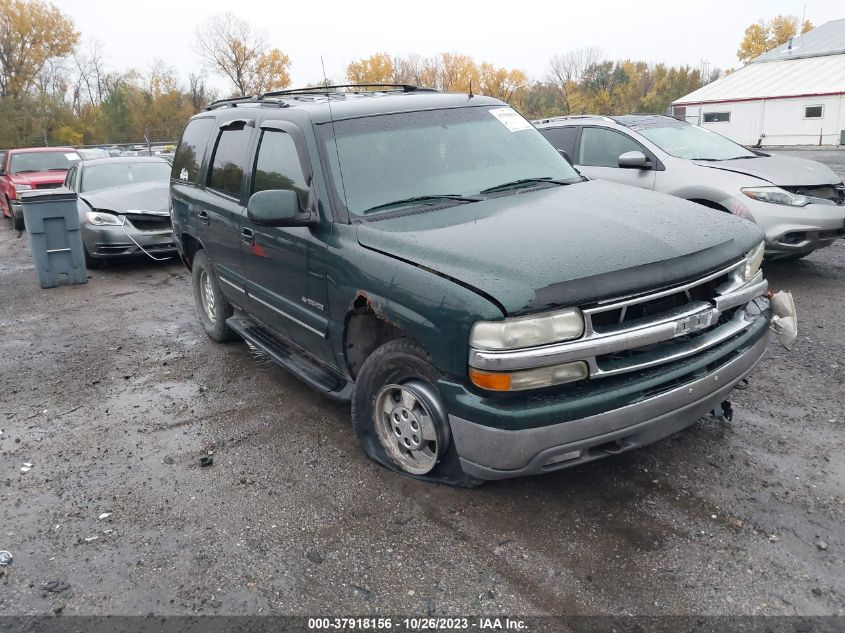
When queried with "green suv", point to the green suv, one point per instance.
{"points": [[431, 258]]}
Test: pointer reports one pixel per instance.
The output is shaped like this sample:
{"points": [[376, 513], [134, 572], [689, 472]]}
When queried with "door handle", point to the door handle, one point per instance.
{"points": [[202, 216], [248, 236]]}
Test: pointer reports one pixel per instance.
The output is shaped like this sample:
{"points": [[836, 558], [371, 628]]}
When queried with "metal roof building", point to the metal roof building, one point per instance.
{"points": [[791, 95]]}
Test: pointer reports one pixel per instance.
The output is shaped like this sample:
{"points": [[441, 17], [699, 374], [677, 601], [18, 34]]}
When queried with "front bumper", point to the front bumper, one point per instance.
{"points": [[492, 450], [792, 229], [109, 241]]}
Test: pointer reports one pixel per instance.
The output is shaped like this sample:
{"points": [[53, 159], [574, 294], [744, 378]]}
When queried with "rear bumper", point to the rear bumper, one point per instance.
{"points": [[794, 229], [488, 452]]}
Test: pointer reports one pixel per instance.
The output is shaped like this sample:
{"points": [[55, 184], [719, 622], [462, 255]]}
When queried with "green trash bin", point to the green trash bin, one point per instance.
{"points": [[52, 223]]}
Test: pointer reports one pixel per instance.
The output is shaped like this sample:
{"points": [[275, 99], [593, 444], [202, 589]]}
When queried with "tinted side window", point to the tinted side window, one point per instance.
{"points": [[2, 159], [561, 138], [278, 167], [188, 158], [601, 148], [229, 162]]}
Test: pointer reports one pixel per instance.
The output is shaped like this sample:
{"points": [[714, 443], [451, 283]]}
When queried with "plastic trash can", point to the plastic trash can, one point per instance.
{"points": [[52, 223]]}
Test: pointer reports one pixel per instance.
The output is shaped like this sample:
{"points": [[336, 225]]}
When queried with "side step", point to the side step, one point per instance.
{"points": [[296, 362]]}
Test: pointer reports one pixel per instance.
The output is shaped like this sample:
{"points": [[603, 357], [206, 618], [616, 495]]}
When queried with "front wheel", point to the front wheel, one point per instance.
{"points": [[91, 262], [212, 307], [399, 418]]}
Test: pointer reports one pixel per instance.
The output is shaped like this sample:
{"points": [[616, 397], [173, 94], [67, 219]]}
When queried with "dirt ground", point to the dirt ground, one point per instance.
{"points": [[112, 392]]}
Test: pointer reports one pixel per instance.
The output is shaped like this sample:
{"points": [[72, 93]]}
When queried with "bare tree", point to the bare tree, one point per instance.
{"points": [[567, 69], [198, 91], [232, 48]]}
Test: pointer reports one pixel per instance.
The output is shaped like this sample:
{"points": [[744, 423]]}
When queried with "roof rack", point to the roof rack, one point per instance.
{"points": [[325, 89], [312, 90]]}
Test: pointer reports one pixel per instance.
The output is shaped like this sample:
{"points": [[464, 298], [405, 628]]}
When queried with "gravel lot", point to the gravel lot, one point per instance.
{"points": [[113, 392]]}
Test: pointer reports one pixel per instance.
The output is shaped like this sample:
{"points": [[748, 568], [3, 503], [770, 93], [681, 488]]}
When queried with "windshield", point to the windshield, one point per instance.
{"points": [[426, 155], [41, 161], [117, 174], [689, 141]]}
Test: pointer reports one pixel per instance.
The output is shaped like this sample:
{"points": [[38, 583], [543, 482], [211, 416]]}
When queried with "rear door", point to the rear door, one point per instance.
{"points": [[221, 206], [597, 156], [286, 266]]}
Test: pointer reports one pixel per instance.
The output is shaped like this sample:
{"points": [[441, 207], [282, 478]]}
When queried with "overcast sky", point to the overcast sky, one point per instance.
{"points": [[510, 34]]}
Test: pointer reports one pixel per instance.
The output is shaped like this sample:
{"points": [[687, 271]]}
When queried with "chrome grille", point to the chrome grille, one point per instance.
{"points": [[644, 330]]}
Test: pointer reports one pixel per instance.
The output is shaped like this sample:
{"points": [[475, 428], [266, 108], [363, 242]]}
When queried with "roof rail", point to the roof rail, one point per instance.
{"points": [[566, 117], [324, 89], [229, 101]]}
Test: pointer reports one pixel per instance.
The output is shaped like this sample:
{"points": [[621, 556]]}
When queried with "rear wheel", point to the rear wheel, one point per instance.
{"points": [[399, 418], [212, 307]]}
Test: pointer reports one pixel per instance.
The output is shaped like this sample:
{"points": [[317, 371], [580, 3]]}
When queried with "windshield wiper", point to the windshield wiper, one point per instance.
{"points": [[523, 181], [430, 198]]}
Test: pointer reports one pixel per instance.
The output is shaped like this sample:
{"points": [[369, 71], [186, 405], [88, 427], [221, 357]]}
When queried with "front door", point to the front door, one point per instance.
{"points": [[286, 266], [598, 157]]}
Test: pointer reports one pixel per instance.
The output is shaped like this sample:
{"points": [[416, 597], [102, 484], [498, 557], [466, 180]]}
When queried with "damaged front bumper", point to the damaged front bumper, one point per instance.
{"points": [[792, 230], [660, 402], [111, 241]]}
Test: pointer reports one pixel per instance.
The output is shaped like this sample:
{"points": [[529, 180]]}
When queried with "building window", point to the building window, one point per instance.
{"points": [[717, 117], [813, 112]]}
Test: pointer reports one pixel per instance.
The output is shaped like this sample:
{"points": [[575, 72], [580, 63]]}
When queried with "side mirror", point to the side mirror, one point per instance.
{"points": [[633, 160], [565, 155], [278, 207]]}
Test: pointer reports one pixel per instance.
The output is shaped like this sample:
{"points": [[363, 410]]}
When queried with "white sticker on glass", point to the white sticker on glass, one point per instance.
{"points": [[511, 119], [72, 156]]}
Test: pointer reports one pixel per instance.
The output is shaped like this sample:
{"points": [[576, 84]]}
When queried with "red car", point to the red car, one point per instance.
{"points": [[31, 168]]}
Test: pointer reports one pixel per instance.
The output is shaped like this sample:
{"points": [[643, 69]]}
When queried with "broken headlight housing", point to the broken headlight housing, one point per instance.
{"points": [[753, 261], [776, 195], [529, 331], [102, 218]]}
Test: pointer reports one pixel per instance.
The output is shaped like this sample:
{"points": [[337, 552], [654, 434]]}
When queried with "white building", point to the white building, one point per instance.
{"points": [[791, 95]]}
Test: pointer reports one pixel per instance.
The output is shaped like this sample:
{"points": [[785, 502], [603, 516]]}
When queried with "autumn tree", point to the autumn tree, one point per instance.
{"points": [[231, 47], [566, 70], [765, 35], [375, 69], [32, 33]]}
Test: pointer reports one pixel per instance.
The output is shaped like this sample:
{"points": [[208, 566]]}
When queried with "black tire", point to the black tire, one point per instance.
{"points": [[216, 328], [17, 225], [395, 363], [91, 262]]}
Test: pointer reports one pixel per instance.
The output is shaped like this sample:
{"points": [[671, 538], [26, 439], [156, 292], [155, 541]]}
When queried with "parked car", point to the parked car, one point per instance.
{"points": [[124, 207], [90, 153], [30, 168], [798, 203], [430, 257]]}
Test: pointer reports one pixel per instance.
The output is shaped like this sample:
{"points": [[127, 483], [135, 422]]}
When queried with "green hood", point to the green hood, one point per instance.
{"points": [[567, 245]]}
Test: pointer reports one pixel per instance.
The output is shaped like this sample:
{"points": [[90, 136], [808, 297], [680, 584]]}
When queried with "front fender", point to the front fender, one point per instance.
{"points": [[435, 311]]}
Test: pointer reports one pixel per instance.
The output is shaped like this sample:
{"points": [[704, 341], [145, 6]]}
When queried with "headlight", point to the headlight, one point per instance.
{"points": [[19, 188], [776, 195], [100, 218], [530, 331], [753, 260]]}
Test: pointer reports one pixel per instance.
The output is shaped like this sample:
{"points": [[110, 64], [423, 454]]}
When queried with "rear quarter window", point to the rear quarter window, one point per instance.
{"points": [[229, 161], [189, 153]]}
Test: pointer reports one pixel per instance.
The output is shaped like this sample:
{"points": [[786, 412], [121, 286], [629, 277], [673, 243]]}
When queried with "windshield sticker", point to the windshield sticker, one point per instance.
{"points": [[510, 119], [72, 156], [183, 175]]}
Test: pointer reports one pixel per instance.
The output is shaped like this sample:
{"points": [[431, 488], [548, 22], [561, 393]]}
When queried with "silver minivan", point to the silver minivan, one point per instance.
{"points": [[798, 203]]}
